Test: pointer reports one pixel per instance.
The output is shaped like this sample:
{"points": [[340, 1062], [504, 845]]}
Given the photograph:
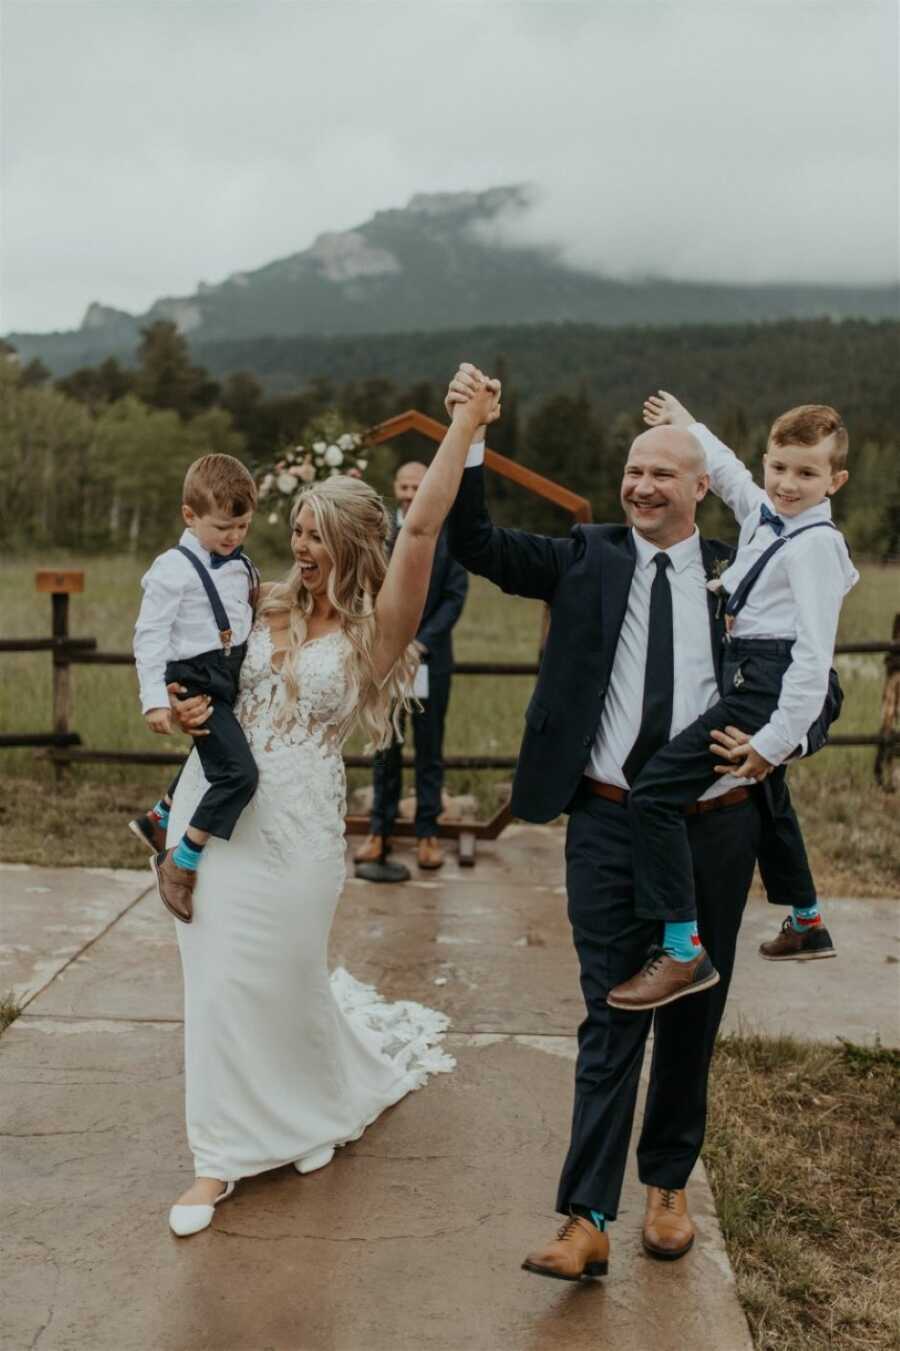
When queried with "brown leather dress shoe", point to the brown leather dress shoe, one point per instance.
{"points": [[791, 945], [580, 1253], [662, 980], [668, 1232], [175, 886], [429, 853], [372, 849], [147, 829]]}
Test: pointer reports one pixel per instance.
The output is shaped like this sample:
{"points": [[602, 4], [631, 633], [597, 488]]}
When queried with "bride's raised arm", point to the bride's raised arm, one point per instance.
{"points": [[401, 600]]}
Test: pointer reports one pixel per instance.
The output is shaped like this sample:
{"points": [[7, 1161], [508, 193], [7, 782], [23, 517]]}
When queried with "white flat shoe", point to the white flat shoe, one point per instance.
{"points": [[311, 1162], [184, 1220]]}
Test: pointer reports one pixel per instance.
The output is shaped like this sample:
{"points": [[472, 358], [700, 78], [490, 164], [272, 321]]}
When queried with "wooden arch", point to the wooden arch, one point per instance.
{"points": [[414, 421]]}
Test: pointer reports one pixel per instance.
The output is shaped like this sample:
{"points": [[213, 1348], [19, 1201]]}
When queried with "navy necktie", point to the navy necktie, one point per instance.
{"points": [[659, 675], [767, 517], [219, 560]]}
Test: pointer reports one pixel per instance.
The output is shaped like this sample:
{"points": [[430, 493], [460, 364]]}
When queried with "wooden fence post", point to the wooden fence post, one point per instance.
{"points": [[890, 716], [60, 585]]}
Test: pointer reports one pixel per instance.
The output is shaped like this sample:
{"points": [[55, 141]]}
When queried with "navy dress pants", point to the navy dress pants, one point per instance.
{"points": [[225, 756], [612, 942], [387, 773], [682, 770]]}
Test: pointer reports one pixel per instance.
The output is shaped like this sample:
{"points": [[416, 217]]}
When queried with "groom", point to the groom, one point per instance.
{"points": [[582, 725]]}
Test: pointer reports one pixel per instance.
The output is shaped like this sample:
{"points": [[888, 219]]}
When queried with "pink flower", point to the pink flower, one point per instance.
{"points": [[353, 473]]}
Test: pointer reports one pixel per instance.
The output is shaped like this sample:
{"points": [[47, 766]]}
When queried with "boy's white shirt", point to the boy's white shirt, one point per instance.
{"points": [[798, 595], [176, 619]]}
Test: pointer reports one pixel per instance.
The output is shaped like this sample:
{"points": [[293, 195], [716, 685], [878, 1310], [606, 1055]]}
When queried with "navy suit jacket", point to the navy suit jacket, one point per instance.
{"points": [[585, 580]]}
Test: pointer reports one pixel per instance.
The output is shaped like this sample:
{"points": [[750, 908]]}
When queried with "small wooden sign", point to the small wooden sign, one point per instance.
{"points": [[68, 581]]}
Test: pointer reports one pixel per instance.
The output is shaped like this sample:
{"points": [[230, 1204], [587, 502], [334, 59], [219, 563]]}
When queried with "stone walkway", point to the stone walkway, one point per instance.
{"points": [[411, 1239]]}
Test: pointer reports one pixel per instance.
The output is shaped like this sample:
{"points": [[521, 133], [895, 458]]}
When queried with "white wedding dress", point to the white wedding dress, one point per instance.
{"points": [[283, 1060]]}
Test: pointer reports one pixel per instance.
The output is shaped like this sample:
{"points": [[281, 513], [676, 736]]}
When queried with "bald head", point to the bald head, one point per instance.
{"points": [[676, 441], [663, 482], [406, 482]]}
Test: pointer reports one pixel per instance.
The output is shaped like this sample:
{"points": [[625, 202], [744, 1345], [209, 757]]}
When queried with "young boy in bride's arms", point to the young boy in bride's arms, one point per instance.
{"points": [[192, 629], [784, 591]]}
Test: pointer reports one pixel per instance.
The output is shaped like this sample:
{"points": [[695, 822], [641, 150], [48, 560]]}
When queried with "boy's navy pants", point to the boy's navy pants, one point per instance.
{"points": [[679, 773], [225, 756]]}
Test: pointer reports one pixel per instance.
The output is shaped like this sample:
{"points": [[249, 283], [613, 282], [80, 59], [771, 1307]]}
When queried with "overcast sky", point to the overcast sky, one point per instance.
{"points": [[151, 144]]}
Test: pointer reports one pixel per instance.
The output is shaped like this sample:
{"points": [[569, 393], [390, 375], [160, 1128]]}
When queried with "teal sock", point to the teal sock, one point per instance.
{"points": [[596, 1217], [682, 941], [187, 854], [805, 917], [161, 812]]}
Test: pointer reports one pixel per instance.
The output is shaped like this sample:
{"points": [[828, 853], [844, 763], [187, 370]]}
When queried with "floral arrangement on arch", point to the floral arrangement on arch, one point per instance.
{"points": [[325, 452]]}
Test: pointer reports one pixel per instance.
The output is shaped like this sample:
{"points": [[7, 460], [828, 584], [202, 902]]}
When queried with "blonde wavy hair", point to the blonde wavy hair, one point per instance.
{"points": [[354, 525]]}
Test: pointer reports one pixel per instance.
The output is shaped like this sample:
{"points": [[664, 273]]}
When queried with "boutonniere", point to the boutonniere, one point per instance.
{"points": [[715, 584]]}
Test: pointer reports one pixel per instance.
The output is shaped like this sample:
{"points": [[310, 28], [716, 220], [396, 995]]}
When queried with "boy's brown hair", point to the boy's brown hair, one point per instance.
{"points": [[808, 425], [219, 483]]}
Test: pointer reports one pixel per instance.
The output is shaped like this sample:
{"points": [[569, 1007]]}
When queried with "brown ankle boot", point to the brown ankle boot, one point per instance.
{"points": [[668, 1232], [429, 853], [580, 1252], [175, 886], [372, 849]]}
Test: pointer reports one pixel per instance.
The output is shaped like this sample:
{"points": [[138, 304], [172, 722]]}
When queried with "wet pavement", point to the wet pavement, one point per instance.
{"points": [[412, 1237]]}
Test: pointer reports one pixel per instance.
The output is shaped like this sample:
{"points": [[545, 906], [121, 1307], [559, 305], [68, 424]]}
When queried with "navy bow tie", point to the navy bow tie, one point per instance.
{"points": [[219, 560], [767, 517]]}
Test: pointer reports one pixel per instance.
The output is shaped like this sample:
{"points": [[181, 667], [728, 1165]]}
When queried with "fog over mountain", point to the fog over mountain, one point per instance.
{"points": [[442, 262]]}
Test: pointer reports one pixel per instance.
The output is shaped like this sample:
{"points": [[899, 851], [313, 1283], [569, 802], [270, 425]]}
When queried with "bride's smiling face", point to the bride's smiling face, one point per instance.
{"points": [[310, 553]]}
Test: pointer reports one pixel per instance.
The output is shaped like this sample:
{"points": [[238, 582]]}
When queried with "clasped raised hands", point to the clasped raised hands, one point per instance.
{"points": [[466, 396]]}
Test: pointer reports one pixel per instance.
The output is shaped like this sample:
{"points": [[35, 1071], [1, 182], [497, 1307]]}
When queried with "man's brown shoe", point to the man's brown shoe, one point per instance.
{"points": [[792, 945], [429, 853], [148, 830], [372, 849], [580, 1253], [668, 1232], [662, 980], [175, 886]]}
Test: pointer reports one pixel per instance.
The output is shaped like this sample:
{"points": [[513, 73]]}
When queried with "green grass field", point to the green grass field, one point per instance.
{"points": [[848, 820]]}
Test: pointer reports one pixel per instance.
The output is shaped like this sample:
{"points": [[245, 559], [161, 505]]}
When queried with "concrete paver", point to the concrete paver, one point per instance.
{"points": [[48, 915], [855, 995], [412, 1237]]}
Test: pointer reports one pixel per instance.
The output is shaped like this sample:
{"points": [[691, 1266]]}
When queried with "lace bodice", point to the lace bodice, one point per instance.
{"points": [[297, 747]]}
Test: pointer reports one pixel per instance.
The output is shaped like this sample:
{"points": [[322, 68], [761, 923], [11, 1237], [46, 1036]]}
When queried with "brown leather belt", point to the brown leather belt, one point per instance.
{"points": [[612, 793]]}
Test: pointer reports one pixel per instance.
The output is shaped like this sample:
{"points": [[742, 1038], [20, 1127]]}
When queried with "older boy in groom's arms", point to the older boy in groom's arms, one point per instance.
{"points": [[443, 607], [634, 641]]}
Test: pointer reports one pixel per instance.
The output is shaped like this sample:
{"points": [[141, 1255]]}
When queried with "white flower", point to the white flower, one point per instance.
{"points": [[333, 473], [286, 483], [361, 464], [266, 485], [272, 518], [715, 585], [334, 457], [347, 441], [319, 447]]}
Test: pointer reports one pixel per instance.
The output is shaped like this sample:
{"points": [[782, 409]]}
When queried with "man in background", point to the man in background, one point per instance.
{"points": [[446, 597]]}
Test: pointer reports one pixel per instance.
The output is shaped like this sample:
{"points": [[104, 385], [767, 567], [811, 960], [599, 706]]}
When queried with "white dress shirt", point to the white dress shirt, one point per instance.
{"points": [[798, 595], [176, 620], [695, 687]]}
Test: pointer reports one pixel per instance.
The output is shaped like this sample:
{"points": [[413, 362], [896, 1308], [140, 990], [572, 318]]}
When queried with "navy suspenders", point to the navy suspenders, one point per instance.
{"points": [[738, 598], [223, 623]]}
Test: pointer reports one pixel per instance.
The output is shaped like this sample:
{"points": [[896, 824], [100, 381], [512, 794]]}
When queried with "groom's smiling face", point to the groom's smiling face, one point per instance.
{"points": [[664, 480]]}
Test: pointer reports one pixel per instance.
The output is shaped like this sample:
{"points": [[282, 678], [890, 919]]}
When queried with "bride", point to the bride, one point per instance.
{"points": [[283, 1062]]}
